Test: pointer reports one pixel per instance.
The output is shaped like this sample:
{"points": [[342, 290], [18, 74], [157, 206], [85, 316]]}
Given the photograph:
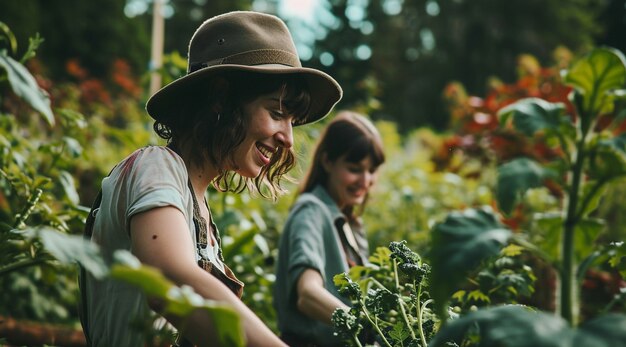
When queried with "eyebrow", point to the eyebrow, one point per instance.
{"points": [[277, 100]]}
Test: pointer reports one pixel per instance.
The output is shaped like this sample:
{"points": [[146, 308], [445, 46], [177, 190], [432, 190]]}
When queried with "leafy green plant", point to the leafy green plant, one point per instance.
{"points": [[505, 278], [592, 157], [390, 299], [36, 188]]}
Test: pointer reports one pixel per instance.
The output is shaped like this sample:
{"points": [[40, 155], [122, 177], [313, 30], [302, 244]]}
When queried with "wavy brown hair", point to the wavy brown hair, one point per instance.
{"points": [[349, 135], [204, 133]]}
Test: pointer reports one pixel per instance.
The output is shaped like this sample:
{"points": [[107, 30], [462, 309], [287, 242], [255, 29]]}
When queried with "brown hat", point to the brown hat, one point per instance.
{"points": [[244, 41]]}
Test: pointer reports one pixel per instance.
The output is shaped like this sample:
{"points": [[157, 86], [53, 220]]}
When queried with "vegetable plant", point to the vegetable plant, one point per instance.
{"points": [[390, 300], [592, 157]]}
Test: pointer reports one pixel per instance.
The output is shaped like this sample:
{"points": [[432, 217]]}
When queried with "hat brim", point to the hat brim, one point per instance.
{"points": [[324, 90]]}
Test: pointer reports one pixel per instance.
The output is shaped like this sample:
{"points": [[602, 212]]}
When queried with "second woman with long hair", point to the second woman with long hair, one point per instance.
{"points": [[324, 234]]}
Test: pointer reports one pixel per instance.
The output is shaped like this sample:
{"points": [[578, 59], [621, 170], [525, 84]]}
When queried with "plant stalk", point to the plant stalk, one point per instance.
{"points": [[400, 303], [420, 309], [380, 333], [568, 299], [20, 265]]}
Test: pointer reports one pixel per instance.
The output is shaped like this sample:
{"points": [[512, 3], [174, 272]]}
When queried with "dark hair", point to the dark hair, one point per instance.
{"points": [[351, 135], [211, 125]]}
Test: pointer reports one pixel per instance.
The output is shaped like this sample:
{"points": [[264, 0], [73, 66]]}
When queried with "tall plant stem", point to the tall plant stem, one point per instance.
{"points": [[374, 324], [400, 303], [420, 310], [568, 299]]}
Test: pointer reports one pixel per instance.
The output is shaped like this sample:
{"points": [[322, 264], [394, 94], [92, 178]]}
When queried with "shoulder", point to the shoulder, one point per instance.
{"points": [[151, 160], [156, 154], [308, 213], [310, 203]]}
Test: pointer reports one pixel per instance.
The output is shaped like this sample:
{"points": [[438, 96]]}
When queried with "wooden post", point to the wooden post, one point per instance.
{"points": [[156, 57]]}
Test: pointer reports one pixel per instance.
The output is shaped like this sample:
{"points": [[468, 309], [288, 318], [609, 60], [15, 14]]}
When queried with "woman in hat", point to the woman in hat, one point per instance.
{"points": [[323, 235], [228, 123]]}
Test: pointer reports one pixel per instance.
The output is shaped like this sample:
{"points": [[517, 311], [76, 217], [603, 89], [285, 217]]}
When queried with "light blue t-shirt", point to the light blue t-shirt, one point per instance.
{"points": [[150, 177]]}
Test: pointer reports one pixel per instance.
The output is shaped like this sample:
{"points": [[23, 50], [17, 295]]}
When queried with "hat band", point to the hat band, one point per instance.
{"points": [[256, 57]]}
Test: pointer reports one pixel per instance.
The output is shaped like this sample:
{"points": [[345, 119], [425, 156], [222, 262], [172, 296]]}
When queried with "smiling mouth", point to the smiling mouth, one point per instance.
{"points": [[357, 192], [266, 151]]}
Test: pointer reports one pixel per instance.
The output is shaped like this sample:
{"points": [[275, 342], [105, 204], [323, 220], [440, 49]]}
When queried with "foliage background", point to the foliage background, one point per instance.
{"points": [[94, 63]]}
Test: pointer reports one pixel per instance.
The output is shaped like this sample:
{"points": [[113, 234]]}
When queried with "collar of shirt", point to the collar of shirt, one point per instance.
{"points": [[340, 222], [320, 192]]}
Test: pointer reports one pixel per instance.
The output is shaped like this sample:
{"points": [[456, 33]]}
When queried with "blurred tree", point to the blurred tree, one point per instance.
{"points": [[613, 19], [187, 15], [417, 46], [93, 33], [393, 57]]}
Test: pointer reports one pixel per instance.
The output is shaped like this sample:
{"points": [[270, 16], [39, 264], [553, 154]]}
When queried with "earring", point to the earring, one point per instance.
{"points": [[219, 115]]}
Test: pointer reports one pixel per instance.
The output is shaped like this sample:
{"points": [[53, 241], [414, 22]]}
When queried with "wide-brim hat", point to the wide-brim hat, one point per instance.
{"points": [[244, 41]]}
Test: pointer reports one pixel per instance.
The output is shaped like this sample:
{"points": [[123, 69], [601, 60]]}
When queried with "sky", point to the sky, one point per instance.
{"points": [[303, 9], [301, 17]]}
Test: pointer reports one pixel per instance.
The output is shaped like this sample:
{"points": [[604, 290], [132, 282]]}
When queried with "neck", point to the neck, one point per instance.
{"points": [[200, 177]]}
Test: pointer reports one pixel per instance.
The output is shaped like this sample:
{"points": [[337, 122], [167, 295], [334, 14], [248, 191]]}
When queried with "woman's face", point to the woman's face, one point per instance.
{"points": [[348, 183], [269, 127]]}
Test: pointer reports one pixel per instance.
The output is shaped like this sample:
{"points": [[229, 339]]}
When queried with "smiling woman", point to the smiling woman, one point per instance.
{"points": [[228, 123], [323, 235]]}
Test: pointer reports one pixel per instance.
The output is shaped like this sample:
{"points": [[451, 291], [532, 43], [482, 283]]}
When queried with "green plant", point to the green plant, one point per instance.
{"points": [[390, 300], [593, 156], [504, 278]]}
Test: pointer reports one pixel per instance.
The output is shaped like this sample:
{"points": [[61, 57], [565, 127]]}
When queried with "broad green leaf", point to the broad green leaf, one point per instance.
{"points": [[609, 158], [183, 301], [512, 250], [399, 332], [550, 227], [149, 279], [532, 115], [477, 295], [459, 295], [67, 182], [515, 178], [460, 243], [591, 194], [608, 330], [510, 326], [72, 146], [586, 233], [602, 70], [262, 245], [25, 86], [618, 257], [72, 118], [238, 242], [69, 249], [341, 280], [380, 256], [228, 218]]}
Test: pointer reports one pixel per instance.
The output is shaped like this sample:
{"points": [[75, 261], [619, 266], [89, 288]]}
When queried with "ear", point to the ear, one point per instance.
{"points": [[326, 163]]}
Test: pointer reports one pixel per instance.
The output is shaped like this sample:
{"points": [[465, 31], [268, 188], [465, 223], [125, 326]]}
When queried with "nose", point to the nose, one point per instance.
{"points": [[285, 134], [366, 179]]}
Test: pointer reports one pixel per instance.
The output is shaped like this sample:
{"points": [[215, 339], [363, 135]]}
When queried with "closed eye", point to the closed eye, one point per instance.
{"points": [[355, 169], [277, 114]]}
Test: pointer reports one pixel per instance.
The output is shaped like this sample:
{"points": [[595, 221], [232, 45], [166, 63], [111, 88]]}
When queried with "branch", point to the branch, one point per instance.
{"points": [[32, 333]]}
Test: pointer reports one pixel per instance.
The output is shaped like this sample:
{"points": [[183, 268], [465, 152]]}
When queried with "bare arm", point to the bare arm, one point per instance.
{"points": [[160, 238], [314, 300]]}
